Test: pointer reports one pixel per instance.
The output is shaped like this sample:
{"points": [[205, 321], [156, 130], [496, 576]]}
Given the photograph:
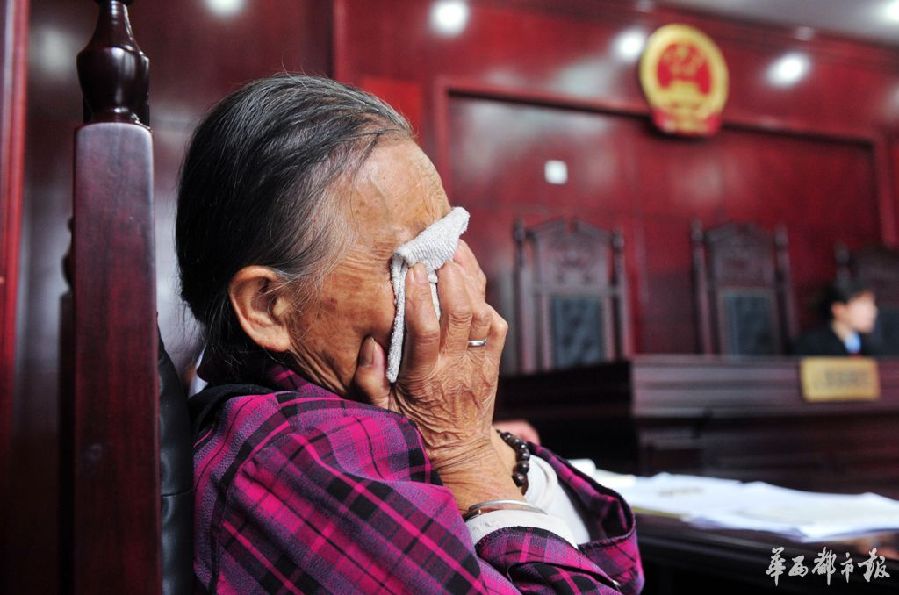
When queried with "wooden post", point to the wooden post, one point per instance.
{"points": [[701, 289], [843, 259], [623, 343], [114, 499], [788, 323], [522, 286]]}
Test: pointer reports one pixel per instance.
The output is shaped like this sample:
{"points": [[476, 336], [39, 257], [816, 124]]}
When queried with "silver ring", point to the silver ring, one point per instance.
{"points": [[477, 343]]}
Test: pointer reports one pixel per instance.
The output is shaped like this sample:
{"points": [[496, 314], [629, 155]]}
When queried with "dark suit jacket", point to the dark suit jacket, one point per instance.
{"points": [[823, 341]]}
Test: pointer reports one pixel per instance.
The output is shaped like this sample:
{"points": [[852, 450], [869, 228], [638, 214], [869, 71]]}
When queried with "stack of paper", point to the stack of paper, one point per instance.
{"points": [[713, 502]]}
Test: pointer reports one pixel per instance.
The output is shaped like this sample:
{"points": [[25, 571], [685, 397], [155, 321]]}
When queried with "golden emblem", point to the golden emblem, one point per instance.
{"points": [[685, 80]]}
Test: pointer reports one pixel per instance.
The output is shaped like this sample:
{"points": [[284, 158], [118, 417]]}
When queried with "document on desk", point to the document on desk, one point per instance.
{"points": [[809, 516], [727, 503]]}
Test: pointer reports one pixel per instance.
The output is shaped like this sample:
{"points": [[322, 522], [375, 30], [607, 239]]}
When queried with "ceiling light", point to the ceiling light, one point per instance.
{"points": [[629, 44], [891, 11], [225, 8], [449, 17], [555, 172], [788, 70]]}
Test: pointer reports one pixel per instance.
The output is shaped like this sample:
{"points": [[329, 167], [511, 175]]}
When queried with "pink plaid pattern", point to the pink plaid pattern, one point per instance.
{"points": [[300, 490]]}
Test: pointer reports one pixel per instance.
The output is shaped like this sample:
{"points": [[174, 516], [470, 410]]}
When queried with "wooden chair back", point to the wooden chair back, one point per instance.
{"points": [[743, 292], [571, 295], [122, 491]]}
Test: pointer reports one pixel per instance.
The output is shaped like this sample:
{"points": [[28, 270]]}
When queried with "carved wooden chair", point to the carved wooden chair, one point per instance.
{"points": [[570, 296], [878, 268], [744, 303], [126, 452]]}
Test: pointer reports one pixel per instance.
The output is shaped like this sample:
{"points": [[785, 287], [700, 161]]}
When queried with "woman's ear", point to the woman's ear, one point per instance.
{"points": [[261, 307]]}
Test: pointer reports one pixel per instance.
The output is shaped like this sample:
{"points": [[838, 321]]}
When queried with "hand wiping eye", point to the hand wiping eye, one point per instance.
{"points": [[433, 247]]}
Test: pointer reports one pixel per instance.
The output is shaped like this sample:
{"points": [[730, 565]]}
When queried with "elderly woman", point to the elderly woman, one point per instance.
{"points": [[313, 471]]}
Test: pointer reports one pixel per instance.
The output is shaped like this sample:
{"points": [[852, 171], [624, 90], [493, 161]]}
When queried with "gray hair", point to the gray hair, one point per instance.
{"points": [[256, 190]]}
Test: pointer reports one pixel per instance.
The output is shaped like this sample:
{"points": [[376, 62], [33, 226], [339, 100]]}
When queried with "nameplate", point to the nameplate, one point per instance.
{"points": [[839, 379]]}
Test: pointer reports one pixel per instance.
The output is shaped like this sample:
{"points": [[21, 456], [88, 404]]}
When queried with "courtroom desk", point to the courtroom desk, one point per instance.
{"points": [[679, 558], [740, 418]]}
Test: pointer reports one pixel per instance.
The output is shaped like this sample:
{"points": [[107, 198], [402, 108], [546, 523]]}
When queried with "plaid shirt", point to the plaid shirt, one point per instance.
{"points": [[301, 490]]}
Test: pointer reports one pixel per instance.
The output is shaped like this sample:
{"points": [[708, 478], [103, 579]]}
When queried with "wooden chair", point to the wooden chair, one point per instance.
{"points": [[570, 296], [126, 461], [878, 268], [743, 293]]}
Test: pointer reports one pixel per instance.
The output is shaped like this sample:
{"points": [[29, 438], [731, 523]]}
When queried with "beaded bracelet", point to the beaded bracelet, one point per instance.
{"points": [[522, 464]]}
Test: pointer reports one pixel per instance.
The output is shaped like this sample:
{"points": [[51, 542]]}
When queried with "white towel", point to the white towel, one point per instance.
{"points": [[433, 247]]}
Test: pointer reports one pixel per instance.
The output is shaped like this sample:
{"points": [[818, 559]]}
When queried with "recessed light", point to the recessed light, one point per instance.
{"points": [[891, 11], [449, 17], [788, 69], [225, 8], [555, 172], [629, 44]]}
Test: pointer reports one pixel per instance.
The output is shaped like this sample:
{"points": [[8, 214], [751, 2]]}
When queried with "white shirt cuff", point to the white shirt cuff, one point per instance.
{"points": [[484, 524], [546, 493]]}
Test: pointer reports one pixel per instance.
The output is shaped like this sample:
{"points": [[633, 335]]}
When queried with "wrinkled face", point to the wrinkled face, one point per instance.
{"points": [[394, 196], [859, 313]]}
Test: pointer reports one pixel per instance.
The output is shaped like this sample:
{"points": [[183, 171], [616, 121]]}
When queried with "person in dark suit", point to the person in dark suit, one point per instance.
{"points": [[850, 311]]}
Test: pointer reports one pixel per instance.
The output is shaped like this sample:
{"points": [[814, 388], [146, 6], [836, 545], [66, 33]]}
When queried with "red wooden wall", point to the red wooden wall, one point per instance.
{"points": [[196, 57], [526, 82]]}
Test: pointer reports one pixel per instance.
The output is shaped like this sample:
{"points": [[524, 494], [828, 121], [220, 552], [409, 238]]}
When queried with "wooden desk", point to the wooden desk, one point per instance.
{"points": [[740, 418], [679, 558]]}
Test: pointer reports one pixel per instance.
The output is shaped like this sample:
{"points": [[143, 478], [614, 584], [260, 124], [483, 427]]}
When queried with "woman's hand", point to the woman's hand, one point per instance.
{"points": [[446, 387]]}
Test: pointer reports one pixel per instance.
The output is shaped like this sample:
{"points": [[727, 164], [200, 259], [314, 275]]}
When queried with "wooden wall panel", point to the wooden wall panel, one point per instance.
{"points": [[890, 171], [568, 47], [823, 190], [622, 174], [497, 172], [527, 79]]}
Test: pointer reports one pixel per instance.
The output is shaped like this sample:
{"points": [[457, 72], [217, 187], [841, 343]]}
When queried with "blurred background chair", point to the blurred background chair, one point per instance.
{"points": [[571, 295], [743, 293]]}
